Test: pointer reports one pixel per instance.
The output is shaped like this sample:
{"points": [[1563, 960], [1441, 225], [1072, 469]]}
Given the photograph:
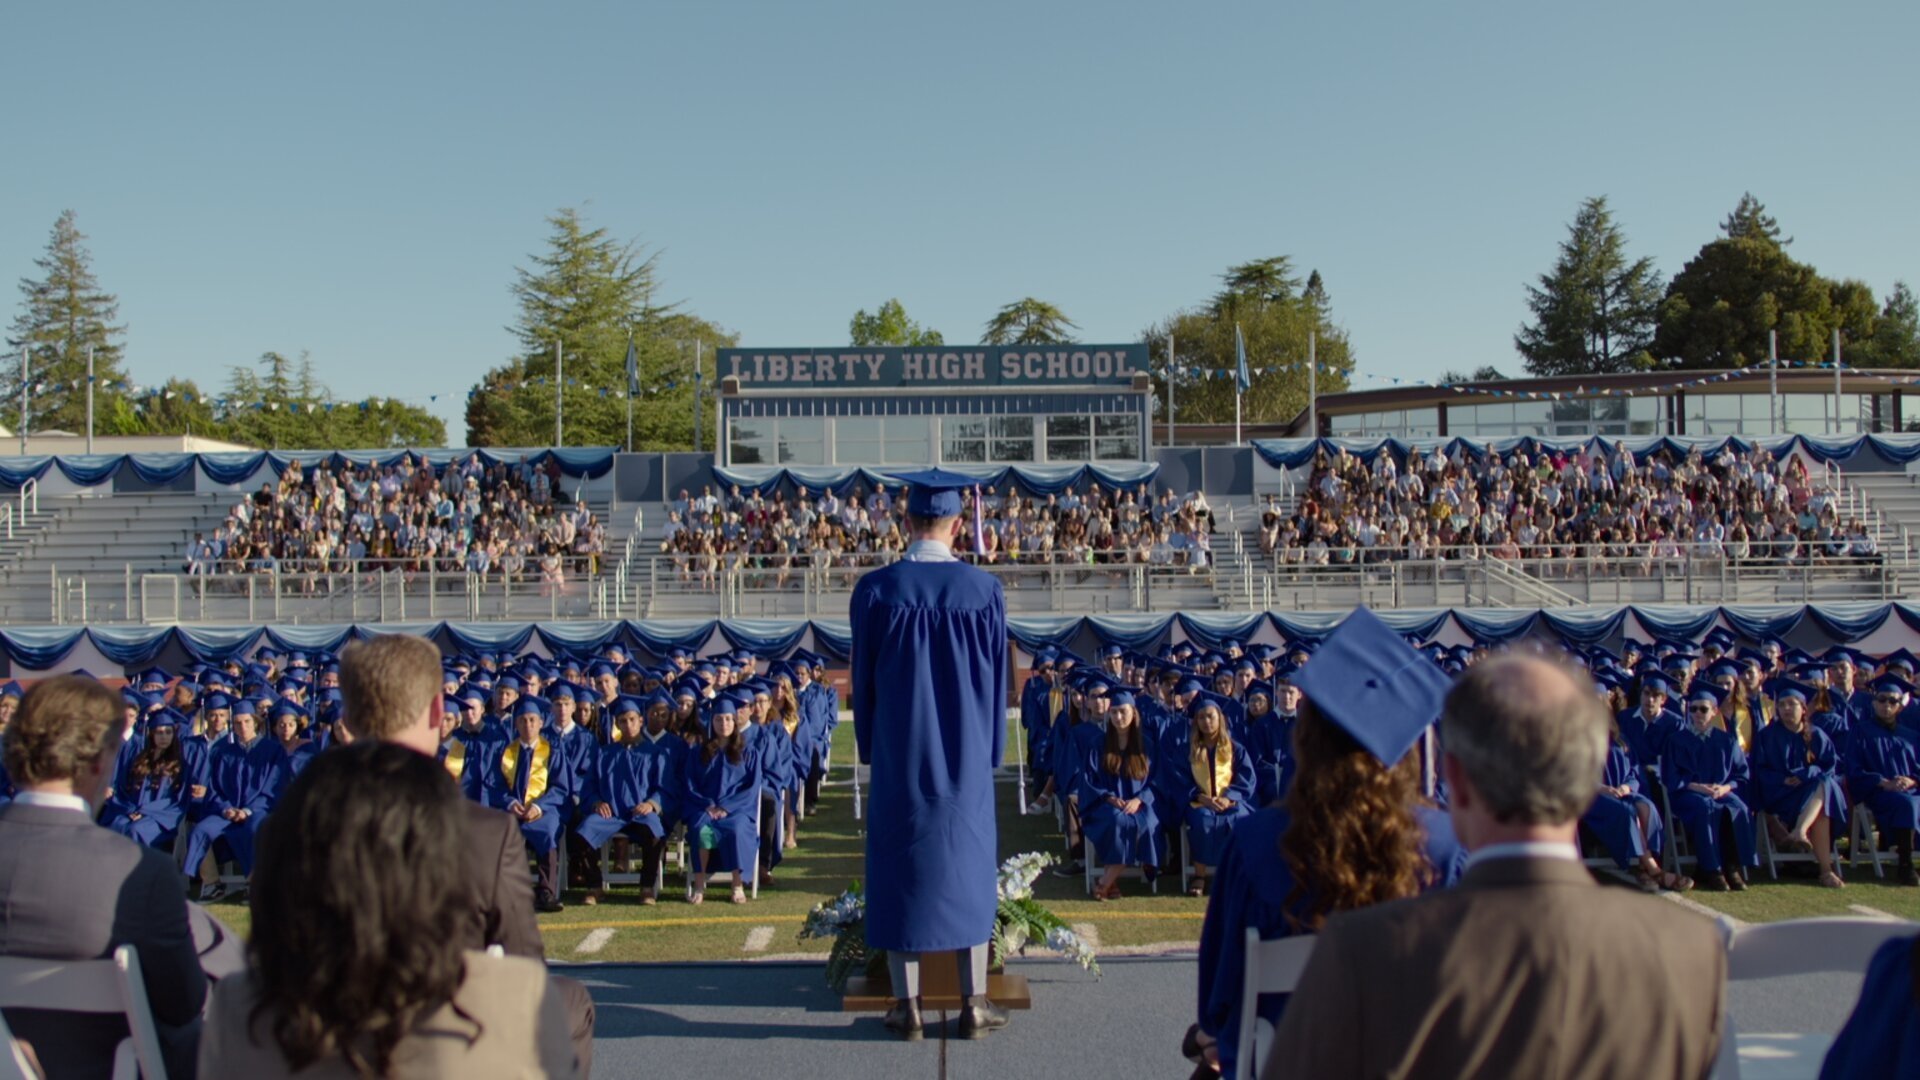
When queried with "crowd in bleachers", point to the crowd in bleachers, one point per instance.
{"points": [[513, 523], [775, 536], [1552, 509]]}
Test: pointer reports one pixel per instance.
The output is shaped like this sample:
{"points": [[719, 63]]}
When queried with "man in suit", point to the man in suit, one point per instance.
{"points": [[391, 685], [1527, 967], [70, 890]]}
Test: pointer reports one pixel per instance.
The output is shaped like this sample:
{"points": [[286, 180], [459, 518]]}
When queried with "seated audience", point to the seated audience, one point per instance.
{"points": [[1389, 991], [364, 854]]}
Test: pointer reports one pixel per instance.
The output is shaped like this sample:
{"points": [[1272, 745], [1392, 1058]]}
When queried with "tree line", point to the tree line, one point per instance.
{"points": [[590, 331]]}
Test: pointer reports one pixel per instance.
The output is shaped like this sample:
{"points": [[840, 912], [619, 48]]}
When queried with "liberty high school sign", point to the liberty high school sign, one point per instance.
{"points": [[1007, 366]]}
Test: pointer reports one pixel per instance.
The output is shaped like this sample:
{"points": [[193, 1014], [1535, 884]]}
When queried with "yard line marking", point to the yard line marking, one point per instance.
{"points": [[595, 940], [758, 939], [1696, 906], [1873, 913]]}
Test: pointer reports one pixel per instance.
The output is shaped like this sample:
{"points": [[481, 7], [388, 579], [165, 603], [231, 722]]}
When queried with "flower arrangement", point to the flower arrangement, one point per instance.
{"points": [[1019, 921]]}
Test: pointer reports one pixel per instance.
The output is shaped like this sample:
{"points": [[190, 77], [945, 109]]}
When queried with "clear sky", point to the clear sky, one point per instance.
{"points": [[361, 180]]}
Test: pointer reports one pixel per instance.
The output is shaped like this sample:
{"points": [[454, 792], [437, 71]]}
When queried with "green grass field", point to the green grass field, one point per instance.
{"points": [[831, 855]]}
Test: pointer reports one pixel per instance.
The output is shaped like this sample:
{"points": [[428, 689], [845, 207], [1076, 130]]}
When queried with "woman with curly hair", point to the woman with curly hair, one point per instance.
{"points": [[1353, 830], [146, 803], [365, 854]]}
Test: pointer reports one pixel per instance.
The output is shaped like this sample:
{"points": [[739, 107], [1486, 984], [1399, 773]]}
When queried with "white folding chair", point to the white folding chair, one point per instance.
{"points": [[692, 859], [13, 1062], [1272, 967], [1865, 835], [1798, 947], [91, 986]]}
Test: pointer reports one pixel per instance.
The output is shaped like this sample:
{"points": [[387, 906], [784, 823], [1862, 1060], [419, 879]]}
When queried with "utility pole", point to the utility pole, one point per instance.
{"points": [[1172, 370], [1773, 382], [696, 395], [90, 398], [559, 395], [23, 400]]}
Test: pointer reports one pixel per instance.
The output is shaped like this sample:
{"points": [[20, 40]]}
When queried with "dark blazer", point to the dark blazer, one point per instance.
{"points": [[502, 887], [71, 890], [1527, 967]]}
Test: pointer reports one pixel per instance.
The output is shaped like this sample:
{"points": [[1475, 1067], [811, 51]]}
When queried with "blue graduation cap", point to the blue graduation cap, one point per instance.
{"points": [[935, 493], [1900, 658], [170, 718], [629, 703], [1891, 684], [1788, 689], [471, 694], [216, 701], [1374, 686], [562, 691], [1122, 696], [1654, 682], [1840, 653], [1703, 690]]}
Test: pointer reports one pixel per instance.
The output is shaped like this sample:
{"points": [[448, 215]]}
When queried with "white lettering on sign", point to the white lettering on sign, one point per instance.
{"points": [[777, 368], [873, 365], [934, 367]]}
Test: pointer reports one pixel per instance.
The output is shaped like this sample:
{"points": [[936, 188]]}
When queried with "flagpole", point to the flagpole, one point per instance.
{"points": [[1171, 370], [1313, 386], [632, 369], [559, 395]]}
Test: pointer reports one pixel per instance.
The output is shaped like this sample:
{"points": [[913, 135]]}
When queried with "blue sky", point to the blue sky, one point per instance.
{"points": [[361, 180]]}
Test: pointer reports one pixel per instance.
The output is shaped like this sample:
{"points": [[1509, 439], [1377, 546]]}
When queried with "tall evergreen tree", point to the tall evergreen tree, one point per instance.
{"points": [[1721, 306], [890, 326], [63, 313], [1596, 310], [1030, 322], [590, 293], [1895, 342]]}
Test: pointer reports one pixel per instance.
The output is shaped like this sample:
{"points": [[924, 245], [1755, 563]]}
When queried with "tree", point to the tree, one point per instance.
{"points": [[1483, 373], [176, 408], [1595, 311], [64, 312], [1276, 320], [1030, 322], [591, 294], [890, 326], [1895, 342], [286, 406], [1720, 307], [1750, 221]]}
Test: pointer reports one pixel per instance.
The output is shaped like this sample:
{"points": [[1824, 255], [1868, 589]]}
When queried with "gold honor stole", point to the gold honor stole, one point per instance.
{"points": [[456, 760], [792, 725], [537, 770], [1215, 779]]}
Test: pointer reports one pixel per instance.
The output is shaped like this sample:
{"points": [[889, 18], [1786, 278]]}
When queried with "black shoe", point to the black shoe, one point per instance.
{"points": [[904, 1020], [1713, 883], [1737, 882], [1906, 875], [547, 903], [980, 1016], [1071, 870]]}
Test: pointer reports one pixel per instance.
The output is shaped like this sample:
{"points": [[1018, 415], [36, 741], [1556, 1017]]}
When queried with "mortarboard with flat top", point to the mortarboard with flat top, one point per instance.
{"points": [[935, 493], [1374, 686]]}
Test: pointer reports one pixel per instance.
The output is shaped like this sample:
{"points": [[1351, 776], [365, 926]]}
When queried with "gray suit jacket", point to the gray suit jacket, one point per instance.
{"points": [[70, 890], [1526, 968]]}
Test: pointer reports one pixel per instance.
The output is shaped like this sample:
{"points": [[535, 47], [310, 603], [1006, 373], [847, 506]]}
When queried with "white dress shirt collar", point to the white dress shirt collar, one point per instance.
{"points": [[54, 802], [928, 551], [1536, 849]]}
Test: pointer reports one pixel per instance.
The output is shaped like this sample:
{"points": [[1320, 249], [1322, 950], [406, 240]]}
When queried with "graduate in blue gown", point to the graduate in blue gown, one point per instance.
{"points": [[1219, 787], [1034, 694], [1626, 821], [930, 680], [1882, 1037], [1372, 701], [1116, 797], [779, 759], [1271, 712], [1705, 771], [1883, 773], [720, 797], [528, 780], [237, 800], [149, 794], [1647, 726], [820, 711], [1796, 778], [636, 785]]}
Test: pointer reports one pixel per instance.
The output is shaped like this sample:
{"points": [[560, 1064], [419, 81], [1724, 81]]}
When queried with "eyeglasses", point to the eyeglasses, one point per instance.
{"points": [[1700, 708], [1886, 699]]}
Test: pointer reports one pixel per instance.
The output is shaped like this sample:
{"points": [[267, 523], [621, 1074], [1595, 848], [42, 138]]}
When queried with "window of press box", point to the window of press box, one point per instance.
{"points": [[1116, 438], [1069, 438], [750, 442]]}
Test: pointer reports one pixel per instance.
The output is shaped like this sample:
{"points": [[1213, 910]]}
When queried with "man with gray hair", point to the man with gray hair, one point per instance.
{"points": [[1527, 967]]}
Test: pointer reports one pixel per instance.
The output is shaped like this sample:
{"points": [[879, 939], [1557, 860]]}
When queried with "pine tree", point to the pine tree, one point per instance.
{"points": [[1896, 334], [63, 313], [1750, 221], [1030, 322], [590, 292], [1595, 311]]}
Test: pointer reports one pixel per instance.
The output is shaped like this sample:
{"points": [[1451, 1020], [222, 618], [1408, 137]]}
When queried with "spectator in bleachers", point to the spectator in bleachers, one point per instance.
{"points": [[77, 892], [501, 522], [367, 857]]}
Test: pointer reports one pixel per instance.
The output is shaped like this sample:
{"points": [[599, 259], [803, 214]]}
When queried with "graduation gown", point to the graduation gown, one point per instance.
{"points": [[1647, 739], [930, 670], [1712, 758], [1250, 889], [234, 782], [626, 775], [160, 802], [1207, 828], [1778, 754], [1615, 820], [734, 788], [1877, 754], [532, 776], [1882, 1037], [1271, 746], [1120, 838]]}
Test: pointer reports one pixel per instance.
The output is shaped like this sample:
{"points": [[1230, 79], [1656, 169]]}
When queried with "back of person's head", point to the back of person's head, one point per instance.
{"points": [[1530, 735], [358, 878], [1353, 840], [388, 686], [65, 724]]}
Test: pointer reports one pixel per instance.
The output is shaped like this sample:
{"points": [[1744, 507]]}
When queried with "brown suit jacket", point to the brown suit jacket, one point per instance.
{"points": [[502, 909], [1526, 968]]}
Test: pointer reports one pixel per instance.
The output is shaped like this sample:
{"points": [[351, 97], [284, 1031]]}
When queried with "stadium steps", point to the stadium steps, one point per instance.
{"points": [[1890, 502], [95, 543]]}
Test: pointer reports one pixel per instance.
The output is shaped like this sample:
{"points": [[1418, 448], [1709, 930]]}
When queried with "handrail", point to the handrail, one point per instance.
{"points": [[6, 517], [30, 492]]}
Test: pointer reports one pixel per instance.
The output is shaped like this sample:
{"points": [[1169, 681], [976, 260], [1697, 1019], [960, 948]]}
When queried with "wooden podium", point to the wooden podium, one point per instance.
{"points": [[939, 988]]}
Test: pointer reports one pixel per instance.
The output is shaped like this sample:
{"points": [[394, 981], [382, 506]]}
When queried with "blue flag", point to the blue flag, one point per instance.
{"points": [[1240, 377], [633, 370]]}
